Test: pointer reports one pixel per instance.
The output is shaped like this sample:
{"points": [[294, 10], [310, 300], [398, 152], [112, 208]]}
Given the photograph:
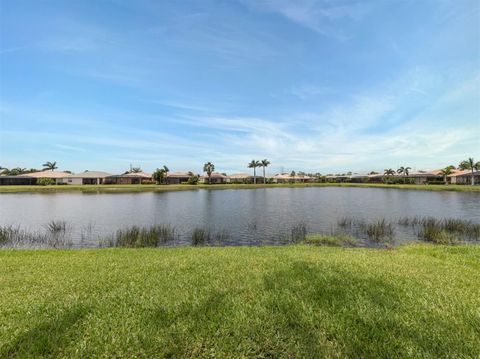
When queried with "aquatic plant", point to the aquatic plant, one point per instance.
{"points": [[298, 232], [429, 227], [200, 236], [380, 230], [135, 236], [56, 226], [17, 237]]}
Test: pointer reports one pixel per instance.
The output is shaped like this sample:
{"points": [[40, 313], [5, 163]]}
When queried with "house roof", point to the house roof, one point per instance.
{"points": [[240, 176], [288, 177], [47, 174], [215, 175], [179, 174], [137, 174], [90, 174], [458, 173]]}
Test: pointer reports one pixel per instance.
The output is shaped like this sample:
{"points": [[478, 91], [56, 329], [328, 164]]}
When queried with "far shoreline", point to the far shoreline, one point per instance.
{"points": [[186, 187]]}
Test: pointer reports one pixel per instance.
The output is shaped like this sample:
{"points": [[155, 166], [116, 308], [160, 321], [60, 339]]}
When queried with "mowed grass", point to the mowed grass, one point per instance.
{"points": [[183, 187], [294, 301]]}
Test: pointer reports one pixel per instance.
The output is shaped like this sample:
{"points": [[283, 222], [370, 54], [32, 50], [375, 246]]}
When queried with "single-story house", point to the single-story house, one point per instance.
{"points": [[129, 178], [17, 180], [54, 175], [87, 177], [464, 177], [244, 178], [287, 178], [216, 178], [179, 177], [422, 177]]}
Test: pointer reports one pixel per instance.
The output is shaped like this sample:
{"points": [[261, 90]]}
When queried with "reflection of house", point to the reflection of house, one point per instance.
{"points": [[178, 177], [87, 177], [464, 177], [215, 178], [129, 178]]}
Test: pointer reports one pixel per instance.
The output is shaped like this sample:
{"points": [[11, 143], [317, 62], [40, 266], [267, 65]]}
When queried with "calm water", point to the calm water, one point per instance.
{"points": [[245, 217]]}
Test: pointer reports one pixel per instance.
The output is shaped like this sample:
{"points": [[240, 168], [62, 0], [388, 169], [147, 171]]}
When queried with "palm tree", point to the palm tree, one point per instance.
{"points": [[254, 164], [389, 172], [264, 164], [136, 170], [50, 166], [166, 170], [404, 171], [209, 168], [470, 165], [446, 172]]}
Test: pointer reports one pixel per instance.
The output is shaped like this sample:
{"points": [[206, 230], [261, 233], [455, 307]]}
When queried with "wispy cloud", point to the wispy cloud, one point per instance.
{"points": [[318, 15]]}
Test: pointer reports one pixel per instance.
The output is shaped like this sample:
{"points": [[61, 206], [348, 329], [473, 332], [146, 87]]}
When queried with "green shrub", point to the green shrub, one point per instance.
{"points": [[193, 180], [44, 181]]}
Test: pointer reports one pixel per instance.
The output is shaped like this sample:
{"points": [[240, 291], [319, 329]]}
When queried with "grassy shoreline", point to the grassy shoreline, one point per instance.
{"points": [[164, 188], [294, 301]]}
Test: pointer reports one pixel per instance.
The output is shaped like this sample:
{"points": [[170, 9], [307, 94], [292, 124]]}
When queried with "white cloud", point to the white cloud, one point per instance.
{"points": [[318, 15]]}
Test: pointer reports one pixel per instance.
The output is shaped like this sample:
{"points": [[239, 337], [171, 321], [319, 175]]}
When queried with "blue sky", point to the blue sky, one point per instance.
{"points": [[311, 85]]}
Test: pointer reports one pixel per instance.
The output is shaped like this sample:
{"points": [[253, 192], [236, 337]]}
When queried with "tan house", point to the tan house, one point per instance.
{"points": [[129, 178], [287, 178], [464, 177], [216, 178], [179, 177], [244, 178], [87, 177], [57, 176]]}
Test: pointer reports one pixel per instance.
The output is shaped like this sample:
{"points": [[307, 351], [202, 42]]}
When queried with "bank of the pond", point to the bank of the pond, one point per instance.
{"points": [[183, 187], [294, 301]]}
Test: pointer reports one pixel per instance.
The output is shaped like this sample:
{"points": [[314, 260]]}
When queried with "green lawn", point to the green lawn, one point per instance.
{"points": [[161, 188], [295, 301]]}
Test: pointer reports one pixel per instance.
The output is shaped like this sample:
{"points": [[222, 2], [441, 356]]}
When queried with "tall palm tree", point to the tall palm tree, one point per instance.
{"points": [[254, 164], [165, 171], [404, 171], [470, 165], [50, 166], [445, 172], [264, 164], [136, 170], [209, 168]]}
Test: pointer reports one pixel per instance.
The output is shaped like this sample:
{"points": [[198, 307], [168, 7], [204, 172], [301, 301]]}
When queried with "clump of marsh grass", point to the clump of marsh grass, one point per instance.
{"points": [[445, 230], [138, 237], [200, 236], [346, 222], [13, 235], [17, 237], [56, 227], [335, 240], [380, 231], [409, 221], [298, 233], [437, 236]]}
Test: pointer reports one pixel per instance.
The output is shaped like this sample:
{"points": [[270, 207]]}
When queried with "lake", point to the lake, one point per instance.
{"points": [[261, 216]]}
